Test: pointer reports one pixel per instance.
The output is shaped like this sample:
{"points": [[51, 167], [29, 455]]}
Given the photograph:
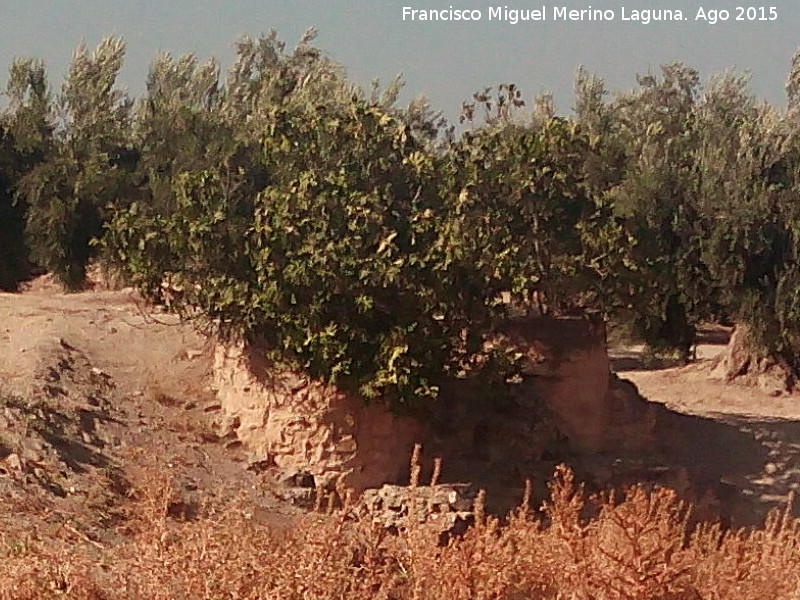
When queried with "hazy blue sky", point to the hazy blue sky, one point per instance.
{"points": [[445, 61]]}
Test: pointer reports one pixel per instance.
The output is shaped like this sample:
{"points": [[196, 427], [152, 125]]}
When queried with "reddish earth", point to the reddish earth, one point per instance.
{"points": [[99, 395], [97, 398]]}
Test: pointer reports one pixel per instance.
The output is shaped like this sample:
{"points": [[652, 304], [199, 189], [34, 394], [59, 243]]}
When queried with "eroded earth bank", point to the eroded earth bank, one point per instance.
{"points": [[99, 393]]}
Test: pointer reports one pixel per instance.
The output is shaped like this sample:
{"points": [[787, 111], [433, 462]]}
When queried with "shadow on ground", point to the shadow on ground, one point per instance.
{"points": [[624, 357], [750, 465]]}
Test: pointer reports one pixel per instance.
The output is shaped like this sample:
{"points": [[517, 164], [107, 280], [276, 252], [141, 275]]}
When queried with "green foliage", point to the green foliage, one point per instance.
{"points": [[749, 156], [85, 169], [25, 132], [517, 209], [339, 264], [295, 213], [14, 264], [364, 244], [646, 181]]}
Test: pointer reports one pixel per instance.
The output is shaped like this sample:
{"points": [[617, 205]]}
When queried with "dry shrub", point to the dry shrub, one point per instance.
{"points": [[576, 548], [762, 563]]}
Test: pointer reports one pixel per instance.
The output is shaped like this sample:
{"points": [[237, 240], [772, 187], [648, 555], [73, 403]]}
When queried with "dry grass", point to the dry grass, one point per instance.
{"points": [[636, 548]]}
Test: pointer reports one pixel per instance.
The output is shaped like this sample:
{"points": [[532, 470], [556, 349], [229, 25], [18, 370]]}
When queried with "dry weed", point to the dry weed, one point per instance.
{"points": [[575, 548]]}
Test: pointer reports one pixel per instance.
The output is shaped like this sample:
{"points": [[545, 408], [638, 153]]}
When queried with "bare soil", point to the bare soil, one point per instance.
{"points": [[750, 437], [97, 397]]}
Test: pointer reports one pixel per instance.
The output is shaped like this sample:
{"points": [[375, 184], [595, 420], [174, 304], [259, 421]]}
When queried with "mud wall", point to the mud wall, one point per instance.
{"points": [[570, 375], [569, 397], [294, 424]]}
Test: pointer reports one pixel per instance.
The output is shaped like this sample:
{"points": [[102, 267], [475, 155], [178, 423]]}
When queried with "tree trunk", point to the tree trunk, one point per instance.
{"points": [[744, 363]]}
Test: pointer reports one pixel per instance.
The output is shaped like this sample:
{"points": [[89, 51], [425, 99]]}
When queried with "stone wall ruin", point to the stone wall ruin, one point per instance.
{"points": [[569, 400]]}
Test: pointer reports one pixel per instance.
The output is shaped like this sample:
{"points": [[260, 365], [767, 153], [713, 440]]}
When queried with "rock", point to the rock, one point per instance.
{"points": [[14, 463], [300, 479], [442, 506], [227, 426], [300, 497], [100, 373], [346, 445], [770, 468], [259, 465]]}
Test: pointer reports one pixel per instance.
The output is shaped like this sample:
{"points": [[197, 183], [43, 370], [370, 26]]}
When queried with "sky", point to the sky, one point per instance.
{"points": [[445, 61]]}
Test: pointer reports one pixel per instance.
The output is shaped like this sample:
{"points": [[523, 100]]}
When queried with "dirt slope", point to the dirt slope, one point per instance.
{"points": [[98, 398]]}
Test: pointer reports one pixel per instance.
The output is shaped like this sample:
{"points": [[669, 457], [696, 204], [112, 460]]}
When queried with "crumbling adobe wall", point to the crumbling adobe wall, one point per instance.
{"points": [[570, 373], [293, 424], [569, 396]]}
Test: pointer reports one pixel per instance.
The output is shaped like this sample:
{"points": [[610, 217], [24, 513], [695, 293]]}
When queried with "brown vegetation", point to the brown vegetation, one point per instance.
{"points": [[637, 548]]}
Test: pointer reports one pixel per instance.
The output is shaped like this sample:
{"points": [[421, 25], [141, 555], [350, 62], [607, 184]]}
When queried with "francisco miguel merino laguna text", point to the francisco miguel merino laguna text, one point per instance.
{"points": [[555, 13]]}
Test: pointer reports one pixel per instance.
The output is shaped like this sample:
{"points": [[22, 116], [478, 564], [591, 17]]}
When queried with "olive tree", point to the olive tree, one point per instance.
{"points": [[89, 167], [25, 140]]}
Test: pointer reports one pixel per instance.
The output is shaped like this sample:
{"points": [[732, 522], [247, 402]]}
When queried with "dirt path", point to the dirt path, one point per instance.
{"points": [[749, 436]]}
